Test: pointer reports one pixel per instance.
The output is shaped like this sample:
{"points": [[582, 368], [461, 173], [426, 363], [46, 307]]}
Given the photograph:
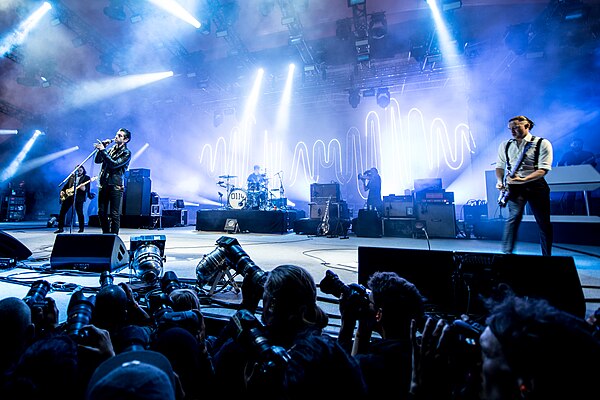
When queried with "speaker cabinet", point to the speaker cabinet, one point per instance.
{"points": [[368, 224], [321, 192], [137, 196], [89, 252], [398, 206], [11, 247], [171, 218], [340, 209], [456, 282], [398, 227], [440, 219]]}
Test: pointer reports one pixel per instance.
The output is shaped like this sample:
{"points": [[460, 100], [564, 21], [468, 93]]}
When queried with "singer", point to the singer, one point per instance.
{"points": [[115, 162]]}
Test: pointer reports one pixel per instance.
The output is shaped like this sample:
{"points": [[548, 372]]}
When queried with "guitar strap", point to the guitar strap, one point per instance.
{"points": [[512, 172]]}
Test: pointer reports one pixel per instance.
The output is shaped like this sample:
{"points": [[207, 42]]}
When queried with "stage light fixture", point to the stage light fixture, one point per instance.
{"points": [[448, 5], [135, 18], [354, 97], [352, 3], [383, 97], [343, 28], [265, 7], [221, 33], [231, 225], [147, 255], [105, 66], [368, 92], [117, 14], [217, 119], [378, 25], [30, 81]]}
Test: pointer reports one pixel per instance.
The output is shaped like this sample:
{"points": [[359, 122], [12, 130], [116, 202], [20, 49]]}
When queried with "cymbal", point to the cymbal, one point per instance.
{"points": [[227, 176]]}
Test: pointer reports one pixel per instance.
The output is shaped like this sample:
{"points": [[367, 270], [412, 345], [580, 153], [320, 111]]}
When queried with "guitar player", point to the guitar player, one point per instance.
{"points": [[70, 197], [527, 159]]}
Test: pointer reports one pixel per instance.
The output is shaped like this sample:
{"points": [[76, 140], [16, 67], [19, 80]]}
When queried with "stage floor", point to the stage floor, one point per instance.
{"points": [[185, 246]]}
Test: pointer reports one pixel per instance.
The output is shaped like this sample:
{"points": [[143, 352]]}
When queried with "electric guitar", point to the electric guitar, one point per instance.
{"points": [[504, 192], [65, 194], [323, 228]]}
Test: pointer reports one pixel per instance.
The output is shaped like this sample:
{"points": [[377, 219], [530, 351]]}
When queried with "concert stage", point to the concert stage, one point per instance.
{"points": [[254, 221]]}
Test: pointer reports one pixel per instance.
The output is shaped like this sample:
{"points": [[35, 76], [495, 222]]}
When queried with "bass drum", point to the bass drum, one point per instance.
{"points": [[238, 199]]}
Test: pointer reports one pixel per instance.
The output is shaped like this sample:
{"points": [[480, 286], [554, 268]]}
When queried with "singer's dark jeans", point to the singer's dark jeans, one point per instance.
{"points": [[537, 194], [110, 199]]}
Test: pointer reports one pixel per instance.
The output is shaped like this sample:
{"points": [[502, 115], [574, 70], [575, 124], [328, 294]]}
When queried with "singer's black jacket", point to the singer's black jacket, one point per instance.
{"points": [[114, 164]]}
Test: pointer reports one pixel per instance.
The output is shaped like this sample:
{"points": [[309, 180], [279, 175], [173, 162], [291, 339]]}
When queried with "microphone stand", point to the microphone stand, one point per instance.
{"points": [[281, 191], [74, 173]]}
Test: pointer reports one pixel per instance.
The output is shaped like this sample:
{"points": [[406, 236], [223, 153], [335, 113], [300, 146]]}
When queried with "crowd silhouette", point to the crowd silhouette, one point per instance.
{"points": [[276, 345]]}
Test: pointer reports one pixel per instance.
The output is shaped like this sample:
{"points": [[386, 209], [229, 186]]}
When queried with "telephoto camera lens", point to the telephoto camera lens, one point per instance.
{"points": [[106, 279], [169, 282], [249, 332], [210, 265], [355, 293], [36, 296], [332, 284], [79, 313]]}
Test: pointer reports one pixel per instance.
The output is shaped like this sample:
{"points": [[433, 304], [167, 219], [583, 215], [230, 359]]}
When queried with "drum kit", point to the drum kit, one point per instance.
{"points": [[256, 196]]}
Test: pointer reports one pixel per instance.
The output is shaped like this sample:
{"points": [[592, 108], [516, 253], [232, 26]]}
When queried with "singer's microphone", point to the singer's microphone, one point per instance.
{"points": [[107, 141]]}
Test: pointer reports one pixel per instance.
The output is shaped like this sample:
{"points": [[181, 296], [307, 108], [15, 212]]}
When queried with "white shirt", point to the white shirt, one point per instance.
{"points": [[527, 167]]}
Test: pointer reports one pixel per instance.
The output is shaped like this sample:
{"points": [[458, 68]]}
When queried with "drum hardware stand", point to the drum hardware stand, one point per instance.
{"points": [[221, 199], [281, 190]]}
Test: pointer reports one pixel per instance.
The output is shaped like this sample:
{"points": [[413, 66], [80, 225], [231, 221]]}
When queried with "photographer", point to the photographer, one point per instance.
{"points": [[17, 332], [44, 312], [387, 309], [529, 350], [316, 365]]}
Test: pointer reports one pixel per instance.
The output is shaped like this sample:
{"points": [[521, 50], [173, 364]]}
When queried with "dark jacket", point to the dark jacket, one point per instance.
{"points": [[114, 164], [83, 192]]}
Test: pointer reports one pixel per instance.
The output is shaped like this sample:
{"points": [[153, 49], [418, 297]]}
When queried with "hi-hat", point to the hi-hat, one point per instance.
{"points": [[227, 176]]}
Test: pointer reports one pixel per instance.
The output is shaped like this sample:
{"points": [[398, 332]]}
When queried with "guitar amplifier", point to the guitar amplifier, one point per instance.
{"points": [[398, 206], [321, 192], [335, 209]]}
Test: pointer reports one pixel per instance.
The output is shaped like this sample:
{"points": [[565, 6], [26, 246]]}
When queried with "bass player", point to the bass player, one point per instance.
{"points": [[74, 193]]}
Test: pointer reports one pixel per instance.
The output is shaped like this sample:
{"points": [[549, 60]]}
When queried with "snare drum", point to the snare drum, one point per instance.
{"points": [[237, 199]]}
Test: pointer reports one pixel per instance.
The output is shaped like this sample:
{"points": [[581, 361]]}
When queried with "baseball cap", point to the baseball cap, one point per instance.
{"points": [[133, 375]]}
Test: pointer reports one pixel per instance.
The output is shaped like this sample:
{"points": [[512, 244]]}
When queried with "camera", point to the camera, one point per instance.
{"points": [[36, 296], [249, 333], [355, 293], [229, 255], [79, 314], [161, 307], [169, 282], [106, 279]]}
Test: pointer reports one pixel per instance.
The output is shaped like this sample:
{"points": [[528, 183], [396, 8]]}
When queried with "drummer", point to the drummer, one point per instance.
{"points": [[256, 180]]}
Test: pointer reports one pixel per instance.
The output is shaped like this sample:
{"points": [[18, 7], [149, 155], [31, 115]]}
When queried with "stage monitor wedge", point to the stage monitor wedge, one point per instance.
{"points": [[10, 247], [456, 282], [89, 252]]}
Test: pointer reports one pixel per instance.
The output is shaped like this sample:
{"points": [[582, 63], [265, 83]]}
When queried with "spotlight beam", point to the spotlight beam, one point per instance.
{"points": [[174, 8], [19, 35], [93, 91], [11, 170]]}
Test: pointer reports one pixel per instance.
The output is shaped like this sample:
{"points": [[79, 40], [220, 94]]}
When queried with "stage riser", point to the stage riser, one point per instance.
{"points": [[248, 220], [564, 232], [310, 226]]}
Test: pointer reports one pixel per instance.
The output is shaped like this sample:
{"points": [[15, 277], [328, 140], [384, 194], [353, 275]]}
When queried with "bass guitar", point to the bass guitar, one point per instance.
{"points": [[65, 194], [323, 228]]}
